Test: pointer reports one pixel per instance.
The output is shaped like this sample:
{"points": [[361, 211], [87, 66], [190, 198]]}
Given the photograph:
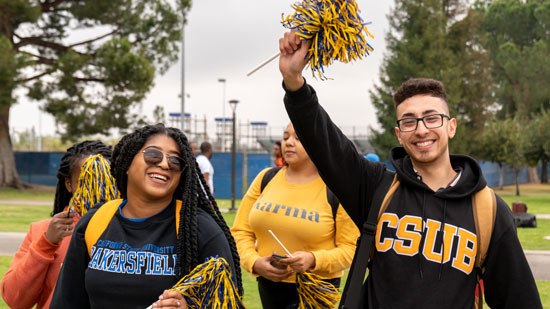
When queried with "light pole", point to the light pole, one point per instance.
{"points": [[183, 77], [233, 104], [222, 80], [39, 148]]}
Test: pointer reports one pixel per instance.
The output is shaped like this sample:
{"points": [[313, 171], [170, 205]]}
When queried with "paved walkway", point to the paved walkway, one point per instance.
{"points": [[540, 263], [26, 202]]}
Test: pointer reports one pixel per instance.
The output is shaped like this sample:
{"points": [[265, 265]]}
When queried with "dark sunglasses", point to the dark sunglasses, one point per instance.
{"points": [[154, 157]]}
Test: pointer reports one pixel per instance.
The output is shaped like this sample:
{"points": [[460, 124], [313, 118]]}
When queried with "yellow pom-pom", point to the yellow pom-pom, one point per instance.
{"points": [[335, 29], [95, 184], [313, 292], [210, 285]]}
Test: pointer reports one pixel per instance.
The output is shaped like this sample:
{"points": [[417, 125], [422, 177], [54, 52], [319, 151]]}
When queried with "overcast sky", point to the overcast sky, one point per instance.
{"points": [[226, 39]]}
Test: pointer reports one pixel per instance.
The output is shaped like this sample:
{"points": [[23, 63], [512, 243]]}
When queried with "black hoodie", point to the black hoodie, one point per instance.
{"points": [[409, 269]]}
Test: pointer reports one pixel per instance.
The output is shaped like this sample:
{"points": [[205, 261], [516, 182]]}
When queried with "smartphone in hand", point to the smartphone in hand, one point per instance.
{"points": [[275, 261]]}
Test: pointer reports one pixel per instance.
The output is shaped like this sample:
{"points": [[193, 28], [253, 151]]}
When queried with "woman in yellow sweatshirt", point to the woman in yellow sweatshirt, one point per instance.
{"points": [[294, 205]]}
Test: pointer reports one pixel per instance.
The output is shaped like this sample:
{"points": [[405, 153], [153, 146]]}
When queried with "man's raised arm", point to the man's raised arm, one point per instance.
{"points": [[341, 167]]}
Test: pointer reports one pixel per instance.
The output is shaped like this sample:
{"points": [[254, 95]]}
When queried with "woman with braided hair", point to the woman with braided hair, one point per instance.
{"points": [[164, 227], [31, 278]]}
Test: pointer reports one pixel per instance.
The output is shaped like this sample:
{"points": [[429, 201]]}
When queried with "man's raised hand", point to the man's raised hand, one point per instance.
{"points": [[292, 59]]}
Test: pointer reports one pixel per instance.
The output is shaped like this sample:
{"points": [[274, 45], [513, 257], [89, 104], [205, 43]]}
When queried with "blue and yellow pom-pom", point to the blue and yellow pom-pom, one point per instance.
{"points": [[95, 184], [313, 292], [335, 29], [210, 285]]}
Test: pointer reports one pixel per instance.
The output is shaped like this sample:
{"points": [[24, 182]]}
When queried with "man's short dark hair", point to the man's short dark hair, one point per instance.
{"points": [[206, 147], [278, 143], [419, 86]]}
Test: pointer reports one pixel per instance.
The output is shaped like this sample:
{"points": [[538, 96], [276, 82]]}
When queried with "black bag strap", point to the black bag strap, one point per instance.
{"points": [[333, 201], [268, 176], [352, 296]]}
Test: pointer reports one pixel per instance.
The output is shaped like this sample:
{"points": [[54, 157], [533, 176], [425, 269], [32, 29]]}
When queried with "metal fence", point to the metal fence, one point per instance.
{"points": [[38, 167], [41, 168]]}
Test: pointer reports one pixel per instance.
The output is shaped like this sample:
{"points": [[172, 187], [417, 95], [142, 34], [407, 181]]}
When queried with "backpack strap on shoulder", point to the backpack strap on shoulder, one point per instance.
{"points": [[102, 217], [387, 198], [99, 222], [484, 207], [351, 296], [268, 176]]}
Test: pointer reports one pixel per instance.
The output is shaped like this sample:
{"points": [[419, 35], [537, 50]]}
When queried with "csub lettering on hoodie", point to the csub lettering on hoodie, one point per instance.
{"points": [[407, 233]]}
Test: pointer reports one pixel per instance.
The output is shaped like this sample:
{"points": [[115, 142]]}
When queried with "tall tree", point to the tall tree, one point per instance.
{"points": [[515, 146], [518, 36], [503, 141], [89, 61], [493, 144], [519, 41], [440, 39]]}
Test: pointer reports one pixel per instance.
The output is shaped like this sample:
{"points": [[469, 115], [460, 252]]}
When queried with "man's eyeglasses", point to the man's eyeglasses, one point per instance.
{"points": [[154, 157], [433, 121]]}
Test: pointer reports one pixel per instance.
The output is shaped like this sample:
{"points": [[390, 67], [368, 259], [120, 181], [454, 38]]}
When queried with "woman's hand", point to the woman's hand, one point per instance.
{"points": [[60, 226], [263, 267], [300, 261], [171, 300]]}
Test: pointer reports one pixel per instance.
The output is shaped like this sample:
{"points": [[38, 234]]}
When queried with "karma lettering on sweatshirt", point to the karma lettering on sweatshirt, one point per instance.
{"points": [[455, 245], [119, 257]]}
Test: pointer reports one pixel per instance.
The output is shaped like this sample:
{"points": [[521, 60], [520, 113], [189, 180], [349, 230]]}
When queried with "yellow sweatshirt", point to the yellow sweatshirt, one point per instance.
{"points": [[301, 217]]}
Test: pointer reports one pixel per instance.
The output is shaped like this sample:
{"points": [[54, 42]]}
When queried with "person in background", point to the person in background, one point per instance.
{"points": [[163, 228], [278, 154], [33, 271], [372, 157], [297, 207], [207, 170], [194, 148]]}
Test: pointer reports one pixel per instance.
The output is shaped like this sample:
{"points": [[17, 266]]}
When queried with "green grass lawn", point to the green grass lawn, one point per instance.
{"points": [[4, 265], [533, 238], [226, 203], [535, 196], [537, 204], [251, 297], [44, 194], [229, 218], [17, 218], [544, 291]]}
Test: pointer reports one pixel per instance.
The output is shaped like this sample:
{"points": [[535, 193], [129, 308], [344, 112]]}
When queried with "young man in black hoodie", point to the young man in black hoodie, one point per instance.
{"points": [[415, 265]]}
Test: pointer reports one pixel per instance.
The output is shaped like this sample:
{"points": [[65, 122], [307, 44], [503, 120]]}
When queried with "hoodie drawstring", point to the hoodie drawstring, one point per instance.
{"points": [[422, 236], [443, 238]]}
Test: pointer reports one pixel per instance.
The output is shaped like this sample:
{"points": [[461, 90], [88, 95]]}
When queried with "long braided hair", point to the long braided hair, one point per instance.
{"points": [[68, 162], [189, 191]]}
